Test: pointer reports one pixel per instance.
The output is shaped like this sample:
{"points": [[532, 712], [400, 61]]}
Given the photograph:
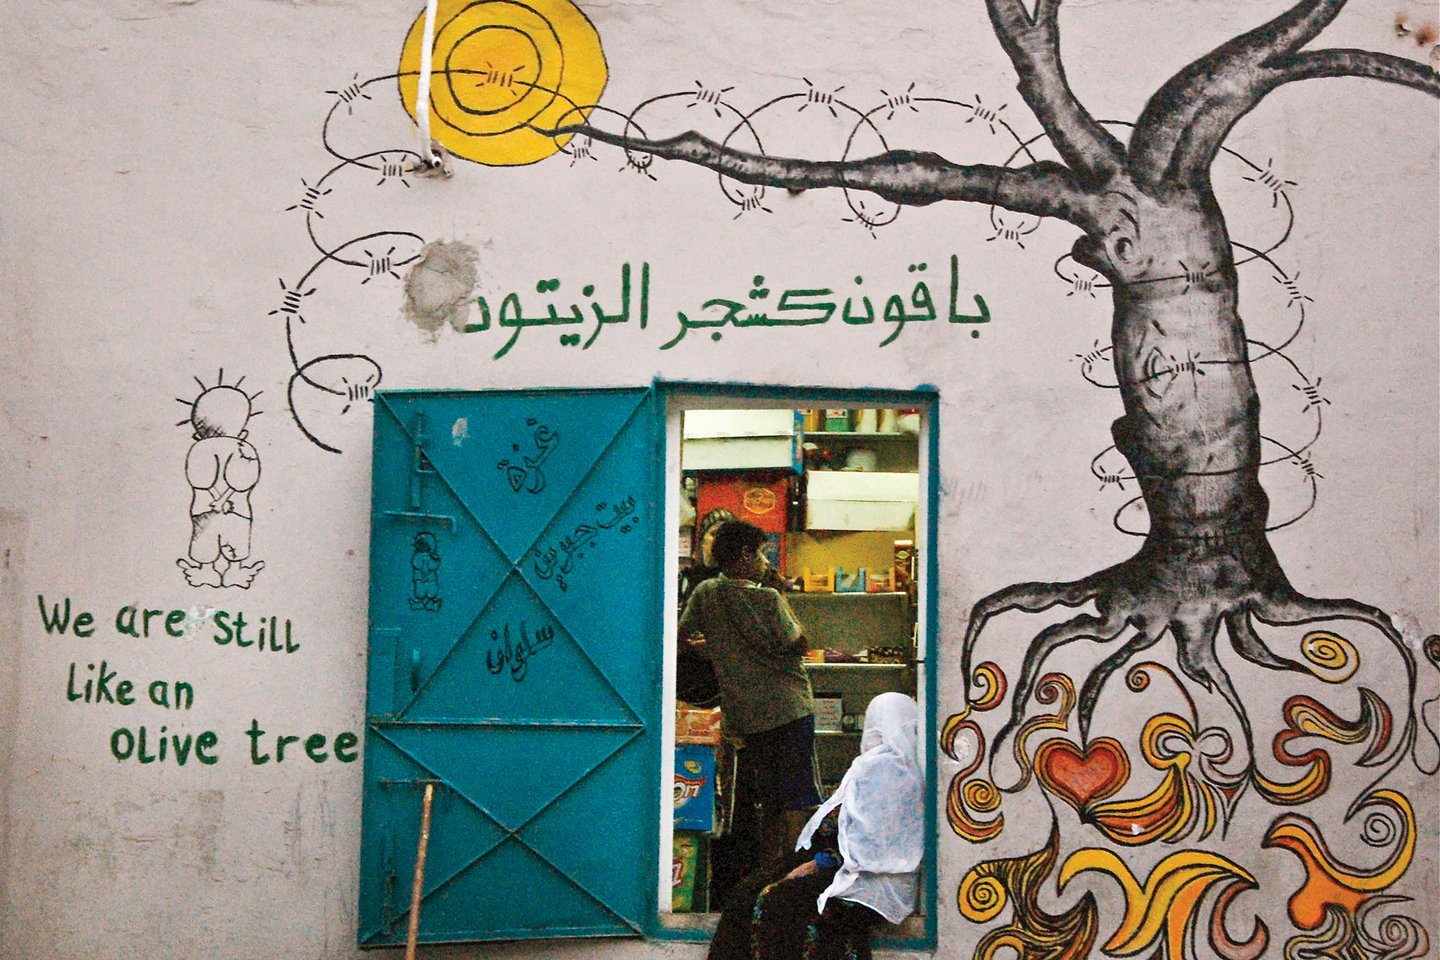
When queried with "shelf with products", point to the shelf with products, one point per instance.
{"points": [[860, 440], [873, 672], [852, 436], [758, 465]]}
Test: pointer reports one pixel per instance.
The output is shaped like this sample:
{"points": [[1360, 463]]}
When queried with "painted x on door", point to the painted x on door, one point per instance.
{"points": [[514, 624]]}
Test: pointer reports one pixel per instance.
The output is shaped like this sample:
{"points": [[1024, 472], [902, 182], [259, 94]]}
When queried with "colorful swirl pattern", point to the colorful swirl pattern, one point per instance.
{"points": [[989, 676], [1179, 805], [1056, 688], [1329, 882], [1334, 658], [1163, 909], [1348, 935], [1307, 717], [1031, 933], [965, 795]]}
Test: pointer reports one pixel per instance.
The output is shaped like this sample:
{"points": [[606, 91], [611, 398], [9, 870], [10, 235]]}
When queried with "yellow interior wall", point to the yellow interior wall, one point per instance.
{"points": [[873, 549]]}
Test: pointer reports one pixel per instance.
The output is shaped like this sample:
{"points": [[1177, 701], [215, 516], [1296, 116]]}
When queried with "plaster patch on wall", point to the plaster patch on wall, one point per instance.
{"points": [[439, 288]]}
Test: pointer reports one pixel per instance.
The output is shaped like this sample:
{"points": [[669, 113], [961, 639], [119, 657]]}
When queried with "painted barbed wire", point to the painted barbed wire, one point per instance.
{"points": [[347, 378], [872, 214]]}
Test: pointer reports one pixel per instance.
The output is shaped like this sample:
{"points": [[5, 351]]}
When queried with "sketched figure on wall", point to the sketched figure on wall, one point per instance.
{"points": [[222, 468], [425, 573]]}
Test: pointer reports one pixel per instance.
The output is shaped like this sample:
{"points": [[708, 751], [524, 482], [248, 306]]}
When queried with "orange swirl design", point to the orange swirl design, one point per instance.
{"points": [[1307, 717], [1329, 882], [977, 794]]}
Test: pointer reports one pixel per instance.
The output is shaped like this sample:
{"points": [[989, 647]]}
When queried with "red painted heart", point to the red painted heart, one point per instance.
{"points": [[1082, 777]]}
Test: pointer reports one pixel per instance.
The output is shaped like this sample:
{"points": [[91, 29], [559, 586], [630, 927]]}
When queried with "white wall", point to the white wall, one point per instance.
{"points": [[152, 150]]}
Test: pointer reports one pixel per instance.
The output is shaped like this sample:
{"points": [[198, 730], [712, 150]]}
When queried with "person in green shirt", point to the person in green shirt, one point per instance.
{"points": [[750, 635]]}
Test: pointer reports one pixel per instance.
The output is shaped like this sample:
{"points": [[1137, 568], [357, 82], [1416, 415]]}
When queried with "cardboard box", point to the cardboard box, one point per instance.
{"points": [[740, 440], [694, 788], [684, 868], [846, 500], [740, 424], [694, 725], [850, 582], [822, 582]]}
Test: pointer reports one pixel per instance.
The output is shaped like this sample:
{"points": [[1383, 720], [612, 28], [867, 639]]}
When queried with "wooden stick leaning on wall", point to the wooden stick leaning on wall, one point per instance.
{"points": [[418, 885]]}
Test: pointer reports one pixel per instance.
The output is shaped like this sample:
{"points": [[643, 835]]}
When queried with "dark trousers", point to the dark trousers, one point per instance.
{"points": [[766, 919], [775, 773]]}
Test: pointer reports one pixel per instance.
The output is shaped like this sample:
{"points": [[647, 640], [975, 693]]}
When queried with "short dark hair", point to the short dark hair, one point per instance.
{"points": [[735, 539]]}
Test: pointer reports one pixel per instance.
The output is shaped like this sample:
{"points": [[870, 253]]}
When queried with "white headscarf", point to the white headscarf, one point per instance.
{"points": [[882, 812]]}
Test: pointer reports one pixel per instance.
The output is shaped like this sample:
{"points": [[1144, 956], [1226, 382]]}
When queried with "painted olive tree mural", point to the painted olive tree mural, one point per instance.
{"points": [[1146, 209], [1205, 596], [1205, 573]]}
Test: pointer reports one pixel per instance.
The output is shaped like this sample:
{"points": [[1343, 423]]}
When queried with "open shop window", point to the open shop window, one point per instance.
{"points": [[841, 483]]}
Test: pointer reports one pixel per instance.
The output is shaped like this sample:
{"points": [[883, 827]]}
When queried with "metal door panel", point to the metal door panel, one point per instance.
{"points": [[519, 459], [393, 791], [529, 693], [412, 500], [507, 662]]}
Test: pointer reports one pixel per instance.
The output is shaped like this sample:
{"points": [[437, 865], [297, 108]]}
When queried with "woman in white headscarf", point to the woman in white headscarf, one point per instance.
{"points": [[828, 904]]}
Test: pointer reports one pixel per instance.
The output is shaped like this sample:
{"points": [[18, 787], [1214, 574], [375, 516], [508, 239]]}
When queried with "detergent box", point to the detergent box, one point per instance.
{"points": [[694, 788], [687, 886]]}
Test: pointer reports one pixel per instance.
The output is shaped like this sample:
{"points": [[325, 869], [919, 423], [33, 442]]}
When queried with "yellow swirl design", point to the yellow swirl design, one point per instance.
{"points": [[982, 796], [1335, 659], [1163, 906], [500, 69], [981, 898]]}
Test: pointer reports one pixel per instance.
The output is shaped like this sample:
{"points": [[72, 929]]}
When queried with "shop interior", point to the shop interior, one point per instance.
{"points": [[838, 493]]}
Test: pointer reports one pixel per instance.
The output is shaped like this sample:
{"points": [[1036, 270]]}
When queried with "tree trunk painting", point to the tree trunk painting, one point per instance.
{"points": [[1190, 432]]}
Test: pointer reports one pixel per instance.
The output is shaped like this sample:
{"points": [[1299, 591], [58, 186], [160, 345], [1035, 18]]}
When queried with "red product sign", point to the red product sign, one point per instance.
{"points": [[761, 499]]}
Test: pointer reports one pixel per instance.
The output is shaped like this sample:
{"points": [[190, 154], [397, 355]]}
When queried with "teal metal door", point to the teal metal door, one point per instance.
{"points": [[514, 662]]}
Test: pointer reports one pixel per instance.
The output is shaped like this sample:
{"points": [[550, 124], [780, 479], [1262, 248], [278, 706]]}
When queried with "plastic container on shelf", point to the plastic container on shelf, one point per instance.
{"points": [[862, 459]]}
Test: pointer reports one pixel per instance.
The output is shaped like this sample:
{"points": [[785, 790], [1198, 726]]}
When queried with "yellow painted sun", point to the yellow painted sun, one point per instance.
{"points": [[499, 70]]}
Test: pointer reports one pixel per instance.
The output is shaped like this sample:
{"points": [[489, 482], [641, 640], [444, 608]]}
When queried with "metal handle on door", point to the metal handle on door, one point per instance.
{"points": [[414, 669], [443, 519]]}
